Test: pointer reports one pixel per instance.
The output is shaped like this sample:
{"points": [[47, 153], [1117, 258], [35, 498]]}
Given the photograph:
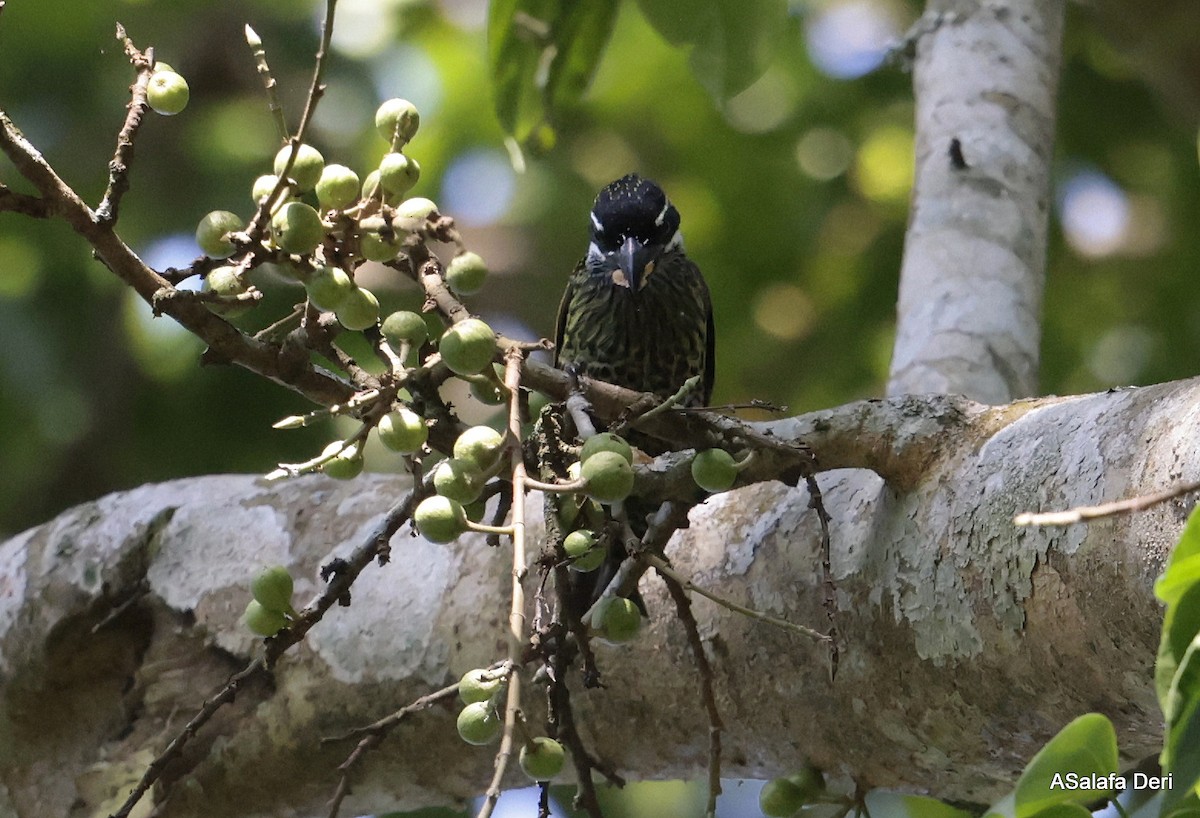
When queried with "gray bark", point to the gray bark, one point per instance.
{"points": [[985, 80], [966, 642]]}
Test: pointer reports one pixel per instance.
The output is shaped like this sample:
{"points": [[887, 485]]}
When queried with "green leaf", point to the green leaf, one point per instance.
{"points": [[1064, 810], [1181, 624], [884, 804], [1181, 749], [733, 40], [542, 55], [1087, 747], [1189, 807], [1183, 566]]}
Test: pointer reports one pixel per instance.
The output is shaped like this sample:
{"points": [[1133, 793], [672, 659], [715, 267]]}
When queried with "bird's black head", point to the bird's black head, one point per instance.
{"points": [[633, 224]]}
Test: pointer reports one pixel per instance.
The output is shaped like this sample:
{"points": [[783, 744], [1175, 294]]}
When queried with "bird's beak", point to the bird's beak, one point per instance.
{"points": [[636, 261]]}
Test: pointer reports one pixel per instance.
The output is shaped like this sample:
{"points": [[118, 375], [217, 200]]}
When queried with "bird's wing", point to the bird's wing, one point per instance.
{"points": [[560, 328], [709, 358]]}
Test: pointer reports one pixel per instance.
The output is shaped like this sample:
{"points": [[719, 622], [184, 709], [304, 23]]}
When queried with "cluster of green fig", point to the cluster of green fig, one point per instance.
{"points": [[459, 482], [785, 797], [480, 723], [327, 223], [271, 607]]}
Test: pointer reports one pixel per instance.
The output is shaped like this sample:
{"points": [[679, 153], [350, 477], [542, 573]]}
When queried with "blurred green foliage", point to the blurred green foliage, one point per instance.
{"points": [[793, 195]]}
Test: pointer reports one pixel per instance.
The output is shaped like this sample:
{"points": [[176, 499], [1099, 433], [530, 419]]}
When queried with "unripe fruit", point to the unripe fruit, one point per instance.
{"points": [[468, 346], [479, 723], [371, 186], [780, 798], [337, 188], [273, 588], [398, 173], [458, 480], [618, 620], [465, 273], [583, 551], [404, 327], [359, 310], [415, 212], [606, 442], [307, 168], [714, 470], [298, 228], [609, 477], [480, 446], [440, 519], [397, 121], [167, 93], [210, 233], [479, 685], [489, 392], [263, 621], [327, 287], [810, 781], [262, 188], [403, 430], [476, 510], [224, 280], [159, 65], [542, 759], [346, 465], [374, 247]]}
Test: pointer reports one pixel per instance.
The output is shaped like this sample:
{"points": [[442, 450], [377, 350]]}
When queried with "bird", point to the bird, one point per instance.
{"points": [[637, 312]]}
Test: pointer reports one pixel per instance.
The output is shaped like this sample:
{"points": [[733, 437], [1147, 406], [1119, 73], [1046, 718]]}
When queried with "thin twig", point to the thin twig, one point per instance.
{"points": [[118, 167], [268, 80], [816, 502], [155, 769], [315, 91], [373, 734], [516, 615], [337, 589], [1082, 513], [659, 564], [683, 608]]}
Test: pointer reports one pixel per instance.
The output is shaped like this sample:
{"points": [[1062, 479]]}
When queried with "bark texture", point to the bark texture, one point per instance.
{"points": [[985, 82], [966, 642]]}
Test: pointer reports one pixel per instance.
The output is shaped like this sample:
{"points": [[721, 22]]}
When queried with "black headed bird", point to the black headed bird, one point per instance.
{"points": [[637, 312]]}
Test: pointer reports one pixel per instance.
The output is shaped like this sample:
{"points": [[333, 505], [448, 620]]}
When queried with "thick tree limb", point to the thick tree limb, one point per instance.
{"points": [[967, 641]]}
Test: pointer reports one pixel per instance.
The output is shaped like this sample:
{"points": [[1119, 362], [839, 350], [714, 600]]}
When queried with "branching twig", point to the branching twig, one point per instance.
{"points": [[33, 206], [315, 91], [1082, 513], [375, 733], [336, 590]]}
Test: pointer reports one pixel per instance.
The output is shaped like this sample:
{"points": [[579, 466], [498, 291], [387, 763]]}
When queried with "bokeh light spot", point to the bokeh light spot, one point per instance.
{"points": [[20, 264], [849, 39], [1121, 354], [883, 171], [364, 27], [784, 311], [824, 153], [1095, 213], [765, 105], [478, 187]]}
